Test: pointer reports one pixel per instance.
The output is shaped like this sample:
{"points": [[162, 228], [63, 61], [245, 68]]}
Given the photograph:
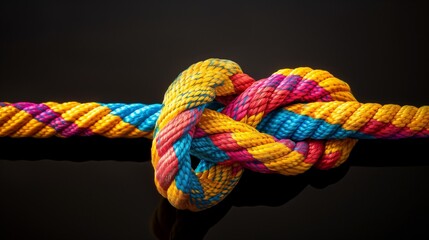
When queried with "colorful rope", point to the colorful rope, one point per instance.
{"points": [[286, 123]]}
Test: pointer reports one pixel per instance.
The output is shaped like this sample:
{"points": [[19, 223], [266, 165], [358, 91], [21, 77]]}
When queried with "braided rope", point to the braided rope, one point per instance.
{"points": [[286, 123]]}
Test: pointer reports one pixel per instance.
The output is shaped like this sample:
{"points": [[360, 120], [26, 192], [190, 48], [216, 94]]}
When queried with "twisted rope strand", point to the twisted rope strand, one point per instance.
{"points": [[286, 123]]}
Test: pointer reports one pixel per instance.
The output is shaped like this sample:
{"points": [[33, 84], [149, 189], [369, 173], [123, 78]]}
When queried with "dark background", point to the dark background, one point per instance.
{"points": [[107, 51]]}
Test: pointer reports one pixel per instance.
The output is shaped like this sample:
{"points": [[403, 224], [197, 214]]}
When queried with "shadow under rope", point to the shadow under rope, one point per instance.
{"points": [[254, 189]]}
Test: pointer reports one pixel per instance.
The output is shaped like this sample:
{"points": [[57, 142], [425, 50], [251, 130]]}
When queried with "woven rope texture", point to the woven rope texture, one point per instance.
{"points": [[286, 123]]}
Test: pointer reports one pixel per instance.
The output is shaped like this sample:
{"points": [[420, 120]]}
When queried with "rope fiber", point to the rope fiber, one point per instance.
{"points": [[285, 124]]}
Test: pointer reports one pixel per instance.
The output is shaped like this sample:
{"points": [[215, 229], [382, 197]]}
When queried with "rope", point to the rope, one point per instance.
{"points": [[286, 123]]}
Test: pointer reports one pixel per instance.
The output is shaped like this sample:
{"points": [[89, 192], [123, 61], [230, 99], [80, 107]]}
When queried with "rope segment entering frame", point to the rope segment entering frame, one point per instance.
{"points": [[285, 124]]}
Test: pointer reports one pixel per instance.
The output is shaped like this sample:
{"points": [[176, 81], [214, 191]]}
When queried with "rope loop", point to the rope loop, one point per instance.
{"points": [[241, 133]]}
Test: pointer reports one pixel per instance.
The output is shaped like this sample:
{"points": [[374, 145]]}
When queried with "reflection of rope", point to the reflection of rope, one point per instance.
{"points": [[286, 123]]}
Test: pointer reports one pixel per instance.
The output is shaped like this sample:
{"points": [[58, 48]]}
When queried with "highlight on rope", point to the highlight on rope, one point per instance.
{"points": [[287, 123]]}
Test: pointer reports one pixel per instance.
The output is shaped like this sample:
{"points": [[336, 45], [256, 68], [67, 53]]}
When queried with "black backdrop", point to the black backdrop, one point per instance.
{"points": [[121, 51]]}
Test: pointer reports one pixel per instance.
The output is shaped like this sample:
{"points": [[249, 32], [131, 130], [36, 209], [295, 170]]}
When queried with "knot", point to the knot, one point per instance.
{"points": [[229, 121], [286, 123]]}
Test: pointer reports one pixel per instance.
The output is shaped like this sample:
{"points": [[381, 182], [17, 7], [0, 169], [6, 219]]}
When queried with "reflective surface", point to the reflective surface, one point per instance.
{"points": [[110, 195], [97, 188]]}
